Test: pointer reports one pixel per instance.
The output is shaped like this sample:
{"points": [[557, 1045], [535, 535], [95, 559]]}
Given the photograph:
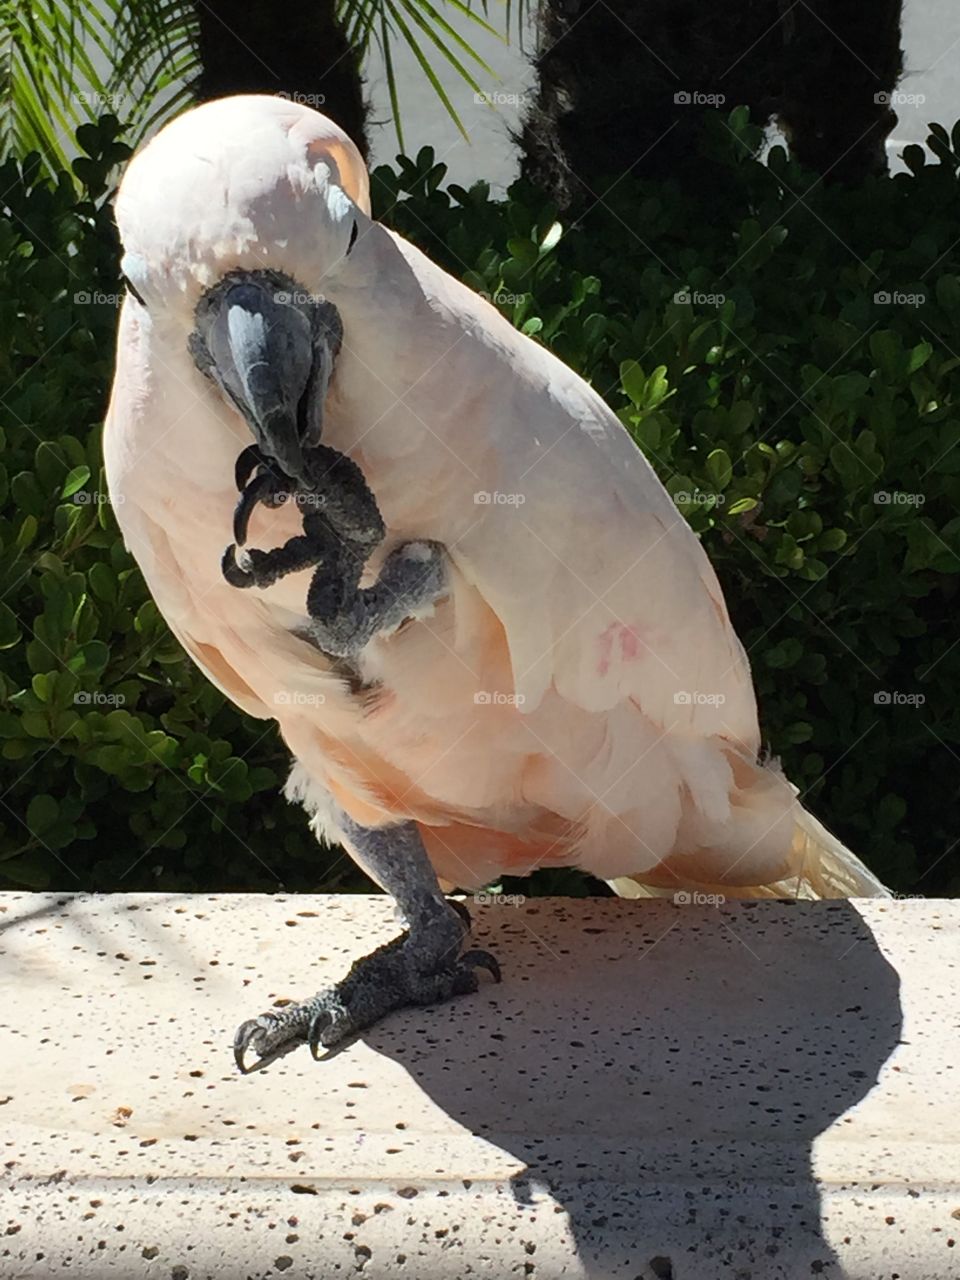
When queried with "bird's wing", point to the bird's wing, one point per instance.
{"points": [[602, 589], [551, 511]]}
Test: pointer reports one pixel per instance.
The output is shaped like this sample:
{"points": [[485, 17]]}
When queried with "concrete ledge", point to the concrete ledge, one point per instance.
{"points": [[655, 1091]]}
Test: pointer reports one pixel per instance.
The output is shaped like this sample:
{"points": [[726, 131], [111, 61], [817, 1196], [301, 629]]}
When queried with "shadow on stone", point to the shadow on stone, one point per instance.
{"points": [[665, 1084]]}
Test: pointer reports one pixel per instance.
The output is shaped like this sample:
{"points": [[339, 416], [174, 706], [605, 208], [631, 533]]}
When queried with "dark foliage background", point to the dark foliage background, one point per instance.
{"points": [[789, 363]]}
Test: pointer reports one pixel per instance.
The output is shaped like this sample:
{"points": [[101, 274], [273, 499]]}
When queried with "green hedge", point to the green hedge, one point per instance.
{"points": [[789, 365]]}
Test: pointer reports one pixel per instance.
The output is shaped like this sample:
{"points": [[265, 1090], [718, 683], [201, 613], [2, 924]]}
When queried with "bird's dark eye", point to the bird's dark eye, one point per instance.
{"points": [[133, 290], [353, 237]]}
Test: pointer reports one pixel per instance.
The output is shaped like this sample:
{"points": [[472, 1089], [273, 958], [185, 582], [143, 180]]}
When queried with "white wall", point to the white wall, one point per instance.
{"points": [[932, 72]]}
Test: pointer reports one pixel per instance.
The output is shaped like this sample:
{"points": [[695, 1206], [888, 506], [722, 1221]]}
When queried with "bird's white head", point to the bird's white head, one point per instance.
{"points": [[234, 220]]}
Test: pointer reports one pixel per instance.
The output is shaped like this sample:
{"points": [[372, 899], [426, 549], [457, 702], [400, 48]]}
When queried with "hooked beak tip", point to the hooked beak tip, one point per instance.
{"points": [[272, 360]]}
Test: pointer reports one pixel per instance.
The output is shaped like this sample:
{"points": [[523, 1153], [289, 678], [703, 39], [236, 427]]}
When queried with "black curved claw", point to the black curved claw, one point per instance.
{"points": [[250, 458], [236, 576], [482, 960], [318, 1024], [266, 488], [246, 1034], [461, 909]]}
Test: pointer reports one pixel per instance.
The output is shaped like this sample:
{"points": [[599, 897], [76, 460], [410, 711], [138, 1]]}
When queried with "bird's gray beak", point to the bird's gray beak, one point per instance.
{"points": [[270, 347]]}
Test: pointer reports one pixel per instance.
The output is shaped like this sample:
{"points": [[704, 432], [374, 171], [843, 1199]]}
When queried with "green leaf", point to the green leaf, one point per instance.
{"points": [[633, 380], [832, 540], [741, 505], [42, 812], [28, 869], [75, 480], [919, 356], [9, 627], [719, 468]]}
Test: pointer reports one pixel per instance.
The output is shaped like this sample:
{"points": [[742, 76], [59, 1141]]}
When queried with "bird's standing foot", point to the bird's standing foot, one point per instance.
{"points": [[423, 966]]}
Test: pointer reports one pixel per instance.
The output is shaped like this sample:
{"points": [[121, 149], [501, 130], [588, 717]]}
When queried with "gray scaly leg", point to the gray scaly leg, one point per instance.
{"points": [[425, 965]]}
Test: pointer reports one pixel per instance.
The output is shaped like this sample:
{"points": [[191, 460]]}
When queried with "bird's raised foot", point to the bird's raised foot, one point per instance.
{"points": [[263, 568], [339, 485], [405, 972], [265, 487], [341, 523], [412, 578]]}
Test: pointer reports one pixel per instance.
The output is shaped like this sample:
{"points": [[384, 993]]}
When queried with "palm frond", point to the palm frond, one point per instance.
{"points": [[67, 62], [384, 21], [64, 63]]}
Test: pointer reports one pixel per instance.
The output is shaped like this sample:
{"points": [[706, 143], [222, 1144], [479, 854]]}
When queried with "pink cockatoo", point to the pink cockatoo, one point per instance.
{"points": [[488, 637]]}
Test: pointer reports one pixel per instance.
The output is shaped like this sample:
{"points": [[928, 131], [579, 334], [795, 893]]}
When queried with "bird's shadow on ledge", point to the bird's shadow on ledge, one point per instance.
{"points": [[637, 1046]]}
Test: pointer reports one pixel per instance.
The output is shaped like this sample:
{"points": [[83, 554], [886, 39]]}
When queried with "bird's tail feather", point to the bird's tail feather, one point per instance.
{"points": [[826, 869]]}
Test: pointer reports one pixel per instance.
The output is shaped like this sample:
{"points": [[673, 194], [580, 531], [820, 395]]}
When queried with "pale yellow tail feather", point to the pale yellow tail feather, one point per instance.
{"points": [[827, 869]]}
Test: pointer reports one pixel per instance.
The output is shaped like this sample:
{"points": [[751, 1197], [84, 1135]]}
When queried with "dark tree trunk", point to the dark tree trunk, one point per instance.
{"points": [[842, 67], [297, 50], [622, 87]]}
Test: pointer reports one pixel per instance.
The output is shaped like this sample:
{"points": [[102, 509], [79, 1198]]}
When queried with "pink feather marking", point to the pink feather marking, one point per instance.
{"points": [[630, 645]]}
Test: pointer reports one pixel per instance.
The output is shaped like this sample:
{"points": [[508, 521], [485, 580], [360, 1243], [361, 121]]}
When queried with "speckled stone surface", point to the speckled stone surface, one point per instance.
{"points": [[655, 1092]]}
